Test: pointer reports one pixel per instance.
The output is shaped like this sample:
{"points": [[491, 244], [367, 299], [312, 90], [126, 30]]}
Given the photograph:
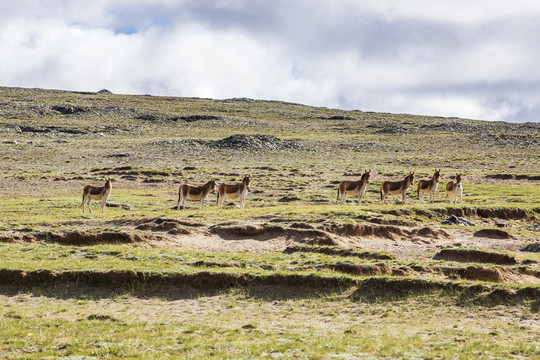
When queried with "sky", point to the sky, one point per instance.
{"points": [[457, 58]]}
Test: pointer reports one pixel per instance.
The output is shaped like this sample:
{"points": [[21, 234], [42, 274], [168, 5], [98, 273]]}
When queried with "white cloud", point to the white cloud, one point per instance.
{"points": [[452, 58]]}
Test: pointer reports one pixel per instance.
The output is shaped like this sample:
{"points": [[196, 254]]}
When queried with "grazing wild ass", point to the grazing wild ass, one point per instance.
{"points": [[455, 189], [349, 187], [194, 192], [396, 188], [429, 186], [234, 191], [92, 192]]}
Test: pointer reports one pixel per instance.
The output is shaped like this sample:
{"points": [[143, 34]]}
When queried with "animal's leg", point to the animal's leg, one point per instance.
{"points": [[179, 200], [219, 201]]}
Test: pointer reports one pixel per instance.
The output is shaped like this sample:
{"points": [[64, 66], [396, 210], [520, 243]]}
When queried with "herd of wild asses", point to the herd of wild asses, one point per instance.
{"points": [[429, 186]]}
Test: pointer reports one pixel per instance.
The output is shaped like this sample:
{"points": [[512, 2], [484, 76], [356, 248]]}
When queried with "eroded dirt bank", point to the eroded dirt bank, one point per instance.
{"points": [[401, 238]]}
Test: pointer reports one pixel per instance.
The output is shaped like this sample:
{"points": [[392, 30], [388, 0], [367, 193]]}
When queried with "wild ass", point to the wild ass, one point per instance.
{"points": [[429, 186], [92, 192], [349, 187], [194, 192], [454, 189], [396, 187], [234, 191]]}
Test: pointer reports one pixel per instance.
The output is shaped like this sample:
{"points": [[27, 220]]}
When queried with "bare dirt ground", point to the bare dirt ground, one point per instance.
{"points": [[408, 248], [408, 242]]}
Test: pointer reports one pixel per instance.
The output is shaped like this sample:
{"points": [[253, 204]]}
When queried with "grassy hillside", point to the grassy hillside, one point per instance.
{"points": [[293, 275]]}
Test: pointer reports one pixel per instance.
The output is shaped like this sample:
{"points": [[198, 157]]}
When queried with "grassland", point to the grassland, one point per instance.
{"points": [[291, 276]]}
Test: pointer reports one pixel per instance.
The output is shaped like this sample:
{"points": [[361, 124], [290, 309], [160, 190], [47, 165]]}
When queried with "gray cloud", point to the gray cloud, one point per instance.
{"points": [[449, 58]]}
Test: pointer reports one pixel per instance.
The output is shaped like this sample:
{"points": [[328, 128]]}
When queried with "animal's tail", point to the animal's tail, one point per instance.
{"points": [[337, 199], [380, 191]]}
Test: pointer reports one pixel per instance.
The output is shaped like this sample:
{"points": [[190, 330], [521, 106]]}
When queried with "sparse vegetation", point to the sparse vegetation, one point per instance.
{"points": [[293, 275]]}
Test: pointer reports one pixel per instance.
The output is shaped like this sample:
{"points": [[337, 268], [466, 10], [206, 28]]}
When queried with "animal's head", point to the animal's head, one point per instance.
{"points": [[247, 180], [437, 175], [366, 176], [108, 183], [458, 178], [411, 177], [213, 185]]}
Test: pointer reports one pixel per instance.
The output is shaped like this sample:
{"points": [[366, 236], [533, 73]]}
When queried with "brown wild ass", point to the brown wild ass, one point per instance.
{"points": [[429, 186], [396, 187], [92, 192], [234, 191], [349, 187], [194, 192], [455, 189]]}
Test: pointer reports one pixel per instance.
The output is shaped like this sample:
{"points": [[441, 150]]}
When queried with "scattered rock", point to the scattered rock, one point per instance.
{"points": [[289, 199], [451, 127], [51, 129], [158, 117], [513, 177], [153, 181], [394, 130], [532, 248], [246, 100], [118, 155], [121, 206], [101, 318], [68, 109], [255, 142], [457, 220], [191, 118], [339, 117]]}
